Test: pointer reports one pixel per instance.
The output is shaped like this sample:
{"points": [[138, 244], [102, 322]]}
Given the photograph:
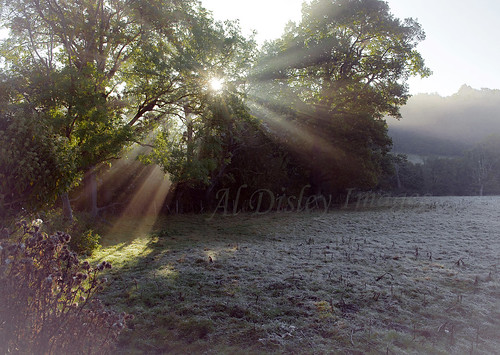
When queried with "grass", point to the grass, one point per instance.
{"points": [[344, 282]]}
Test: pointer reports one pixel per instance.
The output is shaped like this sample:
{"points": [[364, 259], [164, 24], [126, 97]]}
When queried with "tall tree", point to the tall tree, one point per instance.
{"points": [[196, 148], [104, 73], [34, 165], [325, 86]]}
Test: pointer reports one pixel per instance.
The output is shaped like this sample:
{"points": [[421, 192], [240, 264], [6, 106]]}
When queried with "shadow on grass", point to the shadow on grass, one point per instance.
{"points": [[176, 285], [297, 284]]}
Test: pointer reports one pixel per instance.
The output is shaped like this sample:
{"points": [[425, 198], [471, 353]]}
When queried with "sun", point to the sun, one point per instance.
{"points": [[216, 84]]}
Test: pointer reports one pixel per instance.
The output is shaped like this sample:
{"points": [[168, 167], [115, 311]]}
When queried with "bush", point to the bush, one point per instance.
{"points": [[86, 242], [35, 166], [84, 230], [47, 303]]}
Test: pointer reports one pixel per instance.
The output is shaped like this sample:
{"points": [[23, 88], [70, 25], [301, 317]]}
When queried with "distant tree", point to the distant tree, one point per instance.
{"points": [[325, 86], [474, 172], [484, 165], [446, 176], [405, 176]]}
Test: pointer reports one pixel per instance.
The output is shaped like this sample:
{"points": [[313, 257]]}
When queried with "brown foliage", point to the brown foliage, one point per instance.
{"points": [[47, 303]]}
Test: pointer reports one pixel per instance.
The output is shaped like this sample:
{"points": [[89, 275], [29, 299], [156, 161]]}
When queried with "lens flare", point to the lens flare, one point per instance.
{"points": [[216, 84]]}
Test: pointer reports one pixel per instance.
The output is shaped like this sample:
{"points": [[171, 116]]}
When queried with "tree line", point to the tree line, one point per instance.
{"points": [[83, 81], [473, 172]]}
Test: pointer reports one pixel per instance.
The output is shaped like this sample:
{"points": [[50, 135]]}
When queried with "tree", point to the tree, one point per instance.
{"points": [[102, 73], [484, 165], [339, 71], [34, 165], [197, 147], [402, 175]]}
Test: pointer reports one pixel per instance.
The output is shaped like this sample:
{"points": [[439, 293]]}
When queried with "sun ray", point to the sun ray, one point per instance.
{"points": [[145, 205], [302, 136]]}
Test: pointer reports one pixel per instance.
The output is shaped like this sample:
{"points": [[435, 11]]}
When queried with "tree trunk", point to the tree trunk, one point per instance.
{"points": [[66, 204], [189, 134]]}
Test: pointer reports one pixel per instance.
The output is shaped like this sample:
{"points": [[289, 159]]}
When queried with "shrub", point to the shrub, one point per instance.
{"points": [[35, 166], [47, 303], [84, 230], [86, 242]]}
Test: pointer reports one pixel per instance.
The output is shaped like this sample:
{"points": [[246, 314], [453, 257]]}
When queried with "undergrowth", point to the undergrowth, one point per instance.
{"points": [[47, 302]]}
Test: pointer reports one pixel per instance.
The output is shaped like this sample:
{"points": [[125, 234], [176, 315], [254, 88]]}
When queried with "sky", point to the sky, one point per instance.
{"points": [[462, 44]]}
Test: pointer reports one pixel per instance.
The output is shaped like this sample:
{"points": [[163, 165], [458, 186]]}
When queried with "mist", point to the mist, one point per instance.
{"points": [[433, 124]]}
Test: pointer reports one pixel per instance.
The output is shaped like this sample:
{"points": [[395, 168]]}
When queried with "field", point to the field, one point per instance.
{"points": [[416, 276]]}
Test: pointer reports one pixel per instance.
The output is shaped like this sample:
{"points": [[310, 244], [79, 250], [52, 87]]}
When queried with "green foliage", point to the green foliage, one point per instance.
{"points": [[339, 71], [48, 298], [106, 74], [170, 152], [196, 148], [35, 165], [260, 162], [86, 242], [80, 69], [85, 231], [348, 56]]}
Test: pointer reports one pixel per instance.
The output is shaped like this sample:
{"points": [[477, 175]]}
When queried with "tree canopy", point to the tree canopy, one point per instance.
{"points": [[107, 73], [332, 78], [93, 77]]}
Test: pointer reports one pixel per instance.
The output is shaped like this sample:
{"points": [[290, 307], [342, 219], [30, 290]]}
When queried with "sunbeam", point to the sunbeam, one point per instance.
{"points": [[301, 135], [145, 205]]}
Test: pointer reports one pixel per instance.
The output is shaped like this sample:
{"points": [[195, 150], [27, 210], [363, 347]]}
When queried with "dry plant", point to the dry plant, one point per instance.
{"points": [[47, 303]]}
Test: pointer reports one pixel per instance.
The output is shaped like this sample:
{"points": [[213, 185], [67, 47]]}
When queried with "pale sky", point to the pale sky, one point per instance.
{"points": [[462, 45]]}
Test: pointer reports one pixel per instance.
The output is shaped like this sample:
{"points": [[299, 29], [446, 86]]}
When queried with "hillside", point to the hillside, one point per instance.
{"points": [[436, 125]]}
